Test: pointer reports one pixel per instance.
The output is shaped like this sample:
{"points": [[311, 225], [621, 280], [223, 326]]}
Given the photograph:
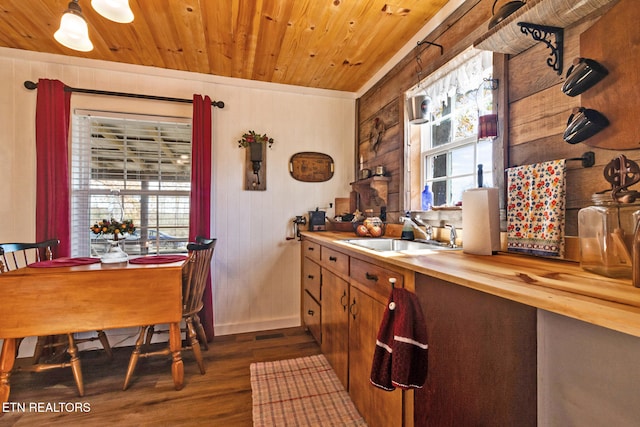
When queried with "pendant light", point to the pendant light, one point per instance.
{"points": [[114, 10], [419, 105], [73, 32]]}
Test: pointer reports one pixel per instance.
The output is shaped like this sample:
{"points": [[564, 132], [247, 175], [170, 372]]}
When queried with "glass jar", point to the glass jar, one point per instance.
{"points": [[606, 236]]}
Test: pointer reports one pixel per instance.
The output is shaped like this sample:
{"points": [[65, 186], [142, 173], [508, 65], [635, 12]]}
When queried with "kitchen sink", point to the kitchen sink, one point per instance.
{"points": [[398, 245]]}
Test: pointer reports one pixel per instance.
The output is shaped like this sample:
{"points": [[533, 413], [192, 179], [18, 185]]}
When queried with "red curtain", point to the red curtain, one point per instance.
{"points": [[200, 203], [52, 181]]}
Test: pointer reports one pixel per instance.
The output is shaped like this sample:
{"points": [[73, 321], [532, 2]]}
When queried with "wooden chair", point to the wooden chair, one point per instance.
{"points": [[49, 350], [194, 280]]}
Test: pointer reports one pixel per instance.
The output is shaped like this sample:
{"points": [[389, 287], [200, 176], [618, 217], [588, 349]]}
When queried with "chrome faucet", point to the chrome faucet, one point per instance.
{"points": [[416, 223], [452, 235], [429, 231]]}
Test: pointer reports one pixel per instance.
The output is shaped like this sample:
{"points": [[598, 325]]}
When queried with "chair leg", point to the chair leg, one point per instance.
{"points": [[202, 337], [134, 357], [39, 349], [192, 338], [105, 344], [150, 332], [75, 364]]}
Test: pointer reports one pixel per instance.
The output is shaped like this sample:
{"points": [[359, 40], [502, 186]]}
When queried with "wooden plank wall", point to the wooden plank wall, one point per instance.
{"points": [[537, 108]]}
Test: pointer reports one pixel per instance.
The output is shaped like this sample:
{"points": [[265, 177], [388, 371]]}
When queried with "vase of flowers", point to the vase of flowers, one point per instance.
{"points": [[252, 137], [114, 231]]}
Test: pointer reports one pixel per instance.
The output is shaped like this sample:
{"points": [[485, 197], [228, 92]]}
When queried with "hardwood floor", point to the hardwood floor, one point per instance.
{"points": [[221, 397]]}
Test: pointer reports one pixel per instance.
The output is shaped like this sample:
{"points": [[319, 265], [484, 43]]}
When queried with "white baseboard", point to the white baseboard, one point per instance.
{"points": [[239, 328]]}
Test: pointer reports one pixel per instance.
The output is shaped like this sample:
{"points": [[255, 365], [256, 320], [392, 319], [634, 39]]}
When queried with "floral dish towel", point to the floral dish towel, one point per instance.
{"points": [[536, 208]]}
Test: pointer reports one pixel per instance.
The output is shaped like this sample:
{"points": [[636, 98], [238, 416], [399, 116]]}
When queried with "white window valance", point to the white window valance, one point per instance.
{"points": [[460, 75]]}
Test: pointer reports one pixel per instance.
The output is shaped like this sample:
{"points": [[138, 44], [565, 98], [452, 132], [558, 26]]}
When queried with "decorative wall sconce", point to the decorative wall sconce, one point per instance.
{"points": [[487, 123], [256, 159]]}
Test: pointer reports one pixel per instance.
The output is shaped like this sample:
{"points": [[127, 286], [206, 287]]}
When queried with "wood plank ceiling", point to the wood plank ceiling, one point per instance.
{"points": [[329, 44]]}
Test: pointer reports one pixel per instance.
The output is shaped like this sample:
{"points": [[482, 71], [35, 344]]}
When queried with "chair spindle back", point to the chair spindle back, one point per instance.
{"points": [[195, 274], [19, 255]]}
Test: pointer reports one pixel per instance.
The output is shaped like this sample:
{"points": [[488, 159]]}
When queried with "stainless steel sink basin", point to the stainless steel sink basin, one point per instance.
{"points": [[398, 245]]}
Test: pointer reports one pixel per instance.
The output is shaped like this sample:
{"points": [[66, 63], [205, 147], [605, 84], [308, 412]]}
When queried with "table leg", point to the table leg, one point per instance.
{"points": [[175, 344], [7, 359]]}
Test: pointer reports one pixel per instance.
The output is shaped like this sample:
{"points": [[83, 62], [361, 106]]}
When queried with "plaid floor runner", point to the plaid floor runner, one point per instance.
{"points": [[300, 392]]}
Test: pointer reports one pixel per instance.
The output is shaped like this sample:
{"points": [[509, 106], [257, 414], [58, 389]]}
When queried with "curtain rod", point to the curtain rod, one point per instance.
{"points": [[32, 85]]}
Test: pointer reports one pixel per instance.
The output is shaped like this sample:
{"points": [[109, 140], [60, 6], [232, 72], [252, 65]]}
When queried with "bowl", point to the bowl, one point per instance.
{"points": [[362, 230]]}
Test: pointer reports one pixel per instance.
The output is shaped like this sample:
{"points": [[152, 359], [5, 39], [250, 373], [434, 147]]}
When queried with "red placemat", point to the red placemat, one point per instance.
{"points": [[157, 259], [65, 262]]}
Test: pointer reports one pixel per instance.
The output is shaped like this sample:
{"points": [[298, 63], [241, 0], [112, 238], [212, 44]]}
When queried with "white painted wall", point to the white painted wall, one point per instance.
{"points": [[256, 272]]}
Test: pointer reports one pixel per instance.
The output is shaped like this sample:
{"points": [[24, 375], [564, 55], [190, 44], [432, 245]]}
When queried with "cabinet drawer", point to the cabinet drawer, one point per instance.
{"points": [[311, 250], [311, 312], [375, 278], [335, 261], [311, 278]]}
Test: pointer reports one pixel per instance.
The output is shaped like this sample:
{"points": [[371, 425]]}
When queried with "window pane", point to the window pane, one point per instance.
{"points": [[439, 189], [131, 168], [458, 186], [439, 166], [462, 160], [466, 116], [441, 133], [485, 156]]}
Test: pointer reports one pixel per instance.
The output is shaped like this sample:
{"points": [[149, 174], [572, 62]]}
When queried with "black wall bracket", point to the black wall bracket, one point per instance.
{"points": [[543, 33]]}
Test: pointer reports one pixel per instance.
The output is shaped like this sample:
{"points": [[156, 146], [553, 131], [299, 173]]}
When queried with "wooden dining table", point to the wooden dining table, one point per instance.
{"points": [[68, 299]]}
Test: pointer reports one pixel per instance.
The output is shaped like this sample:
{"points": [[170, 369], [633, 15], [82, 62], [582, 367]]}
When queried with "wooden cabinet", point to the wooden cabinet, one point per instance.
{"points": [[482, 358], [311, 279], [335, 324], [378, 407], [353, 297]]}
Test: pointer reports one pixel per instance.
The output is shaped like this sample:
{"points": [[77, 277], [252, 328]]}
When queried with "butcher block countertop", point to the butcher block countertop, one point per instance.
{"points": [[557, 286]]}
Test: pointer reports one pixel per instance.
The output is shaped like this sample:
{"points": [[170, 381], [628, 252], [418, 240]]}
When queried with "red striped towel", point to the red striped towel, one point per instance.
{"points": [[400, 357]]}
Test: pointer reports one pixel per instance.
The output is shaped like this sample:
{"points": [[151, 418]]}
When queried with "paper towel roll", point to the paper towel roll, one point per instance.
{"points": [[480, 221]]}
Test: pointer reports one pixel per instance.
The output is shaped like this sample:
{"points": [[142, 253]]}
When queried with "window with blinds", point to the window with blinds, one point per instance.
{"points": [[133, 167]]}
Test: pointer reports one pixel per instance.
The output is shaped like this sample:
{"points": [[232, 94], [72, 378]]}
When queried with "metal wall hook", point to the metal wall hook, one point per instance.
{"points": [[432, 44], [588, 159]]}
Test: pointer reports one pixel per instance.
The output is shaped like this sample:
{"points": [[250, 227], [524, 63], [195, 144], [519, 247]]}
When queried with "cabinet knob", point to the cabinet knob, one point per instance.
{"points": [[344, 300], [310, 248], [370, 276], [310, 312], [332, 258], [310, 276]]}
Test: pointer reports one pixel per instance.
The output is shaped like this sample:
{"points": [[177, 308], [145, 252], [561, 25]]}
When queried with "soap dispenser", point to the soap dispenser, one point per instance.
{"points": [[407, 229]]}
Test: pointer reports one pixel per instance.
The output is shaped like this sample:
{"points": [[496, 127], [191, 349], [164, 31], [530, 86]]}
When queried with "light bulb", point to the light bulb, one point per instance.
{"points": [[114, 10], [73, 32]]}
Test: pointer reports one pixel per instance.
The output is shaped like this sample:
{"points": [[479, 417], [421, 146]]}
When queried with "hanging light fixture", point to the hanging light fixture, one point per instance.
{"points": [[73, 32], [114, 10], [418, 105]]}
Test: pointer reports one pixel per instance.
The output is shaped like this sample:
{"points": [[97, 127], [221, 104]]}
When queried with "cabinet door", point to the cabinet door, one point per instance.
{"points": [[335, 326], [482, 358], [378, 407]]}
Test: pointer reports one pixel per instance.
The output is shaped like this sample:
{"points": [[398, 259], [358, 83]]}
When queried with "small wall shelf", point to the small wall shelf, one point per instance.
{"points": [[374, 191], [508, 36]]}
